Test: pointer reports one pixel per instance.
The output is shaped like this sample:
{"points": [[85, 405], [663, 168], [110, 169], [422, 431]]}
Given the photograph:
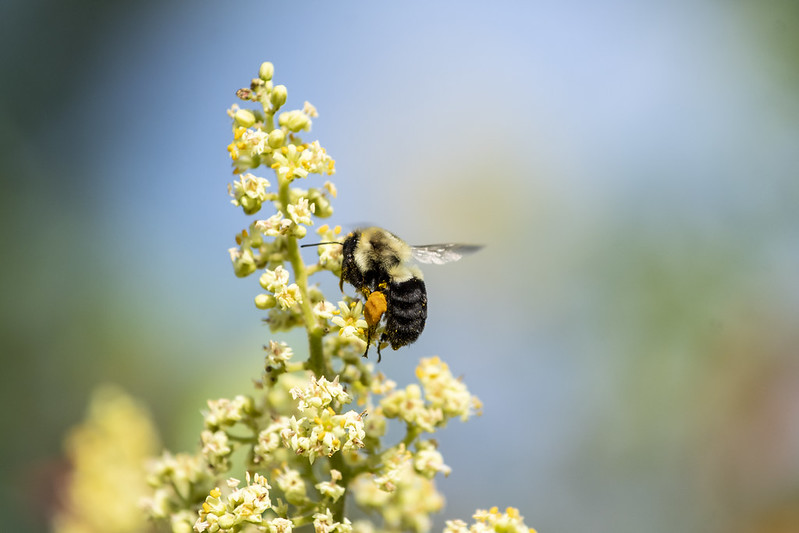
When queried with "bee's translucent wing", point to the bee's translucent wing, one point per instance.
{"points": [[438, 254]]}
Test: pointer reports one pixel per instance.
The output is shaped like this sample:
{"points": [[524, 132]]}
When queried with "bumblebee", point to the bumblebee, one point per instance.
{"points": [[379, 265]]}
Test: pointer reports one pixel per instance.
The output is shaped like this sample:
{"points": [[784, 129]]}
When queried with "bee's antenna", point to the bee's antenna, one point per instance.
{"points": [[318, 244]]}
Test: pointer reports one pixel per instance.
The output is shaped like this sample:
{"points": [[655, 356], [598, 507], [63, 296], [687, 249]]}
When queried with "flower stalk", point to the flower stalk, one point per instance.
{"points": [[314, 431]]}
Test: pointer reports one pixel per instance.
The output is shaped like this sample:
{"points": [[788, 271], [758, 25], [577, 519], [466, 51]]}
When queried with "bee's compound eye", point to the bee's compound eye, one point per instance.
{"points": [[375, 306]]}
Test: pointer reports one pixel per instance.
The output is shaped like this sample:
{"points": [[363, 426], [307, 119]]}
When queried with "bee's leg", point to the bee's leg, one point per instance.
{"points": [[369, 332], [373, 310]]}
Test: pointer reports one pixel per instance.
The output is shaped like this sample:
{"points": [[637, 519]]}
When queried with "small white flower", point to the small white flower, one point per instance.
{"points": [[456, 526], [395, 461], [495, 522], [277, 353], [256, 139], [270, 439], [350, 321], [274, 280], [309, 110], [330, 187], [324, 523], [352, 423], [301, 212], [231, 112], [291, 162], [319, 394], [329, 255], [330, 490], [279, 525], [288, 296], [428, 461], [243, 261], [318, 162], [244, 505], [444, 391], [273, 226], [408, 405], [216, 447], [291, 483], [225, 412], [249, 192], [324, 309]]}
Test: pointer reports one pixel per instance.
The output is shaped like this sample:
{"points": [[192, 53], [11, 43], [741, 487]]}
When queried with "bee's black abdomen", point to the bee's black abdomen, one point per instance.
{"points": [[407, 312]]}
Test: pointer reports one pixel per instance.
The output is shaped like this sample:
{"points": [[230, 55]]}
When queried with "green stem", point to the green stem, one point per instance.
{"points": [[316, 360], [411, 434], [337, 462]]}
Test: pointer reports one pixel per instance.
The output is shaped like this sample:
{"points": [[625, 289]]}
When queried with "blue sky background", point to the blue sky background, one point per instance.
{"points": [[630, 166]]}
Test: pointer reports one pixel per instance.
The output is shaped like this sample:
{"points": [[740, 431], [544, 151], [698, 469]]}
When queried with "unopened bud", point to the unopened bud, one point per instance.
{"points": [[244, 118], [276, 138], [278, 96], [299, 231], [295, 121], [266, 71], [265, 301]]}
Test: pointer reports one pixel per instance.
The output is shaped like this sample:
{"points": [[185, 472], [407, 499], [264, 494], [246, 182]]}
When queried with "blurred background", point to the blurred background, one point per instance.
{"points": [[631, 167]]}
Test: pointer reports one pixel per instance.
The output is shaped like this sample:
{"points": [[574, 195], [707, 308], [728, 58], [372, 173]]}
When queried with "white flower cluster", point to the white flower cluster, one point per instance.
{"points": [[250, 193], [491, 521], [428, 461], [396, 461], [258, 142], [274, 226], [443, 391], [224, 412], [277, 354], [276, 282], [290, 481], [403, 497], [331, 489], [243, 505], [216, 449], [294, 426], [319, 432], [444, 397], [324, 523], [300, 213], [299, 160], [319, 393], [330, 256], [106, 482], [175, 478]]}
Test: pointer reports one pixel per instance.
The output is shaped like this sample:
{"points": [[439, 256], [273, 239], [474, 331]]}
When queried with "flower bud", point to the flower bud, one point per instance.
{"points": [[226, 521], [265, 301], [180, 524], [245, 162], [278, 96], [322, 207], [276, 138], [299, 231], [250, 205], [244, 118], [243, 262], [295, 120], [266, 71]]}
